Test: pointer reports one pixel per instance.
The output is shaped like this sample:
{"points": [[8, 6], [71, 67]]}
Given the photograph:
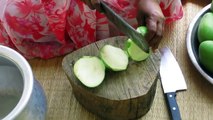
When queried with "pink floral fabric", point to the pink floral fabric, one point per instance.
{"points": [[50, 28]]}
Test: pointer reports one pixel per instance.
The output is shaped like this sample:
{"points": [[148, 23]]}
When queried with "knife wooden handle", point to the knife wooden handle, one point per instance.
{"points": [[173, 106]]}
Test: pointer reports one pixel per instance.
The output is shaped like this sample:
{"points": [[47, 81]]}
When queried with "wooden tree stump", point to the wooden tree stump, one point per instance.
{"points": [[122, 95]]}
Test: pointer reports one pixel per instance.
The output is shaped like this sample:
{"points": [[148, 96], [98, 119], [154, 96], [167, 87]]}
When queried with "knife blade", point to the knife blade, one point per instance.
{"points": [[172, 80], [124, 27]]}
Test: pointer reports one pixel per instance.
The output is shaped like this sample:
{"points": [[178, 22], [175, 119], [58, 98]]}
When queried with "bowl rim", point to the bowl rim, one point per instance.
{"points": [[28, 79], [189, 47]]}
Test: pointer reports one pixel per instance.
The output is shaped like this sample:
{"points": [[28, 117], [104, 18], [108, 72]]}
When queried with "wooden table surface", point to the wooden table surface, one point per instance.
{"points": [[196, 103]]}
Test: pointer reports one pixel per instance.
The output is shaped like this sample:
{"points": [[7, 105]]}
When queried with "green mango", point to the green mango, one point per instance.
{"points": [[135, 52], [205, 28], [143, 30], [206, 54]]}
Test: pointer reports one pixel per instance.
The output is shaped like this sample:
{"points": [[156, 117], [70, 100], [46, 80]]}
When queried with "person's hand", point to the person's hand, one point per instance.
{"points": [[93, 4], [150, 14]]}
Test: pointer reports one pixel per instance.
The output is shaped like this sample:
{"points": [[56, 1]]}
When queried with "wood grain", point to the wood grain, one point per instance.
{"points": [[123, 95]]}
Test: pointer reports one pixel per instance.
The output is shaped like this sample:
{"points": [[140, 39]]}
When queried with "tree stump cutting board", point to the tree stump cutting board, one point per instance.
{"points": [[122, 95]]}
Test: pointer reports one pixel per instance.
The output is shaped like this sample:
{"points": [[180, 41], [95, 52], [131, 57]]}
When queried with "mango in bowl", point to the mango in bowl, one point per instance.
{"points": [[199, 42]]}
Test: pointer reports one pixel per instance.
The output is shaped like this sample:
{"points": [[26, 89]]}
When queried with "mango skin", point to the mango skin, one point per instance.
{"points": [[143, 30], [205, 28], [206, 54]]}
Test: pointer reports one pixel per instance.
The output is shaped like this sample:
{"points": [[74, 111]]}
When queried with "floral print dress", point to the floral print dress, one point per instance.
{"points": [[50, 28]]}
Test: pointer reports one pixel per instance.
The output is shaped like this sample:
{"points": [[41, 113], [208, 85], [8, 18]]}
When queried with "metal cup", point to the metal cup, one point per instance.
{"points": [[21, 95]]}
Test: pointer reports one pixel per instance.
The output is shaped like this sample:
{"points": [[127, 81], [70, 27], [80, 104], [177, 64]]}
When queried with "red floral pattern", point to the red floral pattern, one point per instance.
{"points": [[49, 28]]}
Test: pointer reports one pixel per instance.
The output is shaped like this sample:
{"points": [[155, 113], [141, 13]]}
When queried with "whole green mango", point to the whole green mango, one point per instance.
{"points": [[206, 54], [205, 28]]}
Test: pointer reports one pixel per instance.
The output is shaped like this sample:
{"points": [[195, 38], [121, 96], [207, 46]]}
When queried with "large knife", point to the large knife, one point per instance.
{"points": [[172, 80], [124, 27]]}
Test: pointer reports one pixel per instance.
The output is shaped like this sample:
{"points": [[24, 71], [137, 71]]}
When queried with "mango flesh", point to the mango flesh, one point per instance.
{"points": [[205, 28], [206, 54], [134, 52]]}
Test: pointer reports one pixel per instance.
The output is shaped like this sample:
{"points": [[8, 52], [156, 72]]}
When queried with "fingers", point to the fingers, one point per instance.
{"points": [[152, 28], [88, 3], [141, 18], [154, 20], [93, 4], [96, 5], [155, 32], [159, 35]]}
